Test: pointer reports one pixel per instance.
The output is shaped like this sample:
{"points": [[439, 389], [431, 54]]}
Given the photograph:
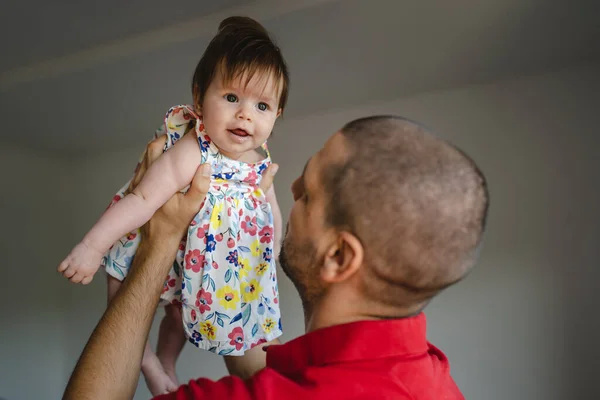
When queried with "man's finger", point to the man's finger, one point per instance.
{"points": [[199, 186], [267, 177], [153, 150]]}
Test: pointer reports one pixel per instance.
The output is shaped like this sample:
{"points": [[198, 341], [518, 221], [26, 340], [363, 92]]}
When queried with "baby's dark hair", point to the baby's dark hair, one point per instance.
{"points": [[241, 46]]}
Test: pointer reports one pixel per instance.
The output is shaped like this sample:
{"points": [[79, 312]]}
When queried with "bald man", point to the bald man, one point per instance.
{"points": [[385, 217]]}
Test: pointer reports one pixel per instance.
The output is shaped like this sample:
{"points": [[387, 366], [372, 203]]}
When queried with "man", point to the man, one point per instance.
{"points": [[385, 217]]}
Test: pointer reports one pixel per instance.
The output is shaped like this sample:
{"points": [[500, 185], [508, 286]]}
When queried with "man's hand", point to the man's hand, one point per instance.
{"points": [[173, 218]]}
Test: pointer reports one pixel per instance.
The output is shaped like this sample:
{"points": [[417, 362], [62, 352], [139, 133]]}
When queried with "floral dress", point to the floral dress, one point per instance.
{"points": [[224, 273]]}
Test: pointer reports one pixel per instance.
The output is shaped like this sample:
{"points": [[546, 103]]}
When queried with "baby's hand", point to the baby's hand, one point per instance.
{"points": [[81, 264]]}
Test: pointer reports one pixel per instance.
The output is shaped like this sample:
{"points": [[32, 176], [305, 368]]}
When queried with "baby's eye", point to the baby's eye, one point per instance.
{"points": [[263, 106], [232, 98]]}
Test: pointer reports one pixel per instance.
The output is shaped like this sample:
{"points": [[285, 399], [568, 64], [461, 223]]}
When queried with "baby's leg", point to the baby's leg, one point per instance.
{"points": [[171, 339], [250, 363], [156, 378]]}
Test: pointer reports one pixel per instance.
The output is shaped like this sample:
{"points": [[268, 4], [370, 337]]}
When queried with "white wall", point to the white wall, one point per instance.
{"points": [[511, 329], [35, 193]]}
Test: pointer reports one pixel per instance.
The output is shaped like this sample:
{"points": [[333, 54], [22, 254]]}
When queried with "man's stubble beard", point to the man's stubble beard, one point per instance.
{"points": [[299, 265]]}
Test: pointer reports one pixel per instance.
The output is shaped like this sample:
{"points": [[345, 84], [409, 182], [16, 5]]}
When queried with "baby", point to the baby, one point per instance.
{"points": [[221, 293]]}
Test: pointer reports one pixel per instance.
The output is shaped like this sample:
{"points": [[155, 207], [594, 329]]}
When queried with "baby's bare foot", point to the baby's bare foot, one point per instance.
{"points": [[156, 378], [170, 371]]}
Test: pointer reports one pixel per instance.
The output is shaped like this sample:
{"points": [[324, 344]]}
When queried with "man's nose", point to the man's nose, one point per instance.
{"points": [[294, 188]]}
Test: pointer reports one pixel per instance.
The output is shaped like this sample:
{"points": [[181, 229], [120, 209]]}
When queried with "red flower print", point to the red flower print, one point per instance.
{"points": [[249, 225], [254, 202], [169, 283], [203, 300], [194, 260], [131, 236], [193, 315], [201, 232], [251, 177], [260, 341], [114, 201], [266, 234], [237, 338]]}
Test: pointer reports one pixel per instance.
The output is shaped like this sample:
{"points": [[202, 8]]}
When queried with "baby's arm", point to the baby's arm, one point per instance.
{"points": [[277, 221], [171, 172]]}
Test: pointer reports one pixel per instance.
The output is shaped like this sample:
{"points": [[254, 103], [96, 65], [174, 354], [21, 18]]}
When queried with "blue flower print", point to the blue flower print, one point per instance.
{"points": [[262, 168], [233, 257], [210, 243], [267, 254]]}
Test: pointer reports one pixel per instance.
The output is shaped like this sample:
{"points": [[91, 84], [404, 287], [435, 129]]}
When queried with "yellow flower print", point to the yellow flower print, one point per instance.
{"points": [[262, 268], [228, 297], [208, 330], [255, 248], [251, 291], [268, 325], [219, 181], [244, 264], [215, 217]]}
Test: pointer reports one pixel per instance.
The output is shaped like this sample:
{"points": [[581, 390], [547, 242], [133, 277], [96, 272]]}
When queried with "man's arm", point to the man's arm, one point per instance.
{"points": [[109, 366]]}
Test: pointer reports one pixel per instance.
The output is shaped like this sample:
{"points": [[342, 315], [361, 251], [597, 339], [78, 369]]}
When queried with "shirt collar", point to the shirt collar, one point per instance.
{"points": [[362, 340]]}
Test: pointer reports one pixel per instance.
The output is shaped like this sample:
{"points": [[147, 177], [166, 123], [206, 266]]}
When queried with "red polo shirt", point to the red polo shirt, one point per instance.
{"points": [[388, 359]]}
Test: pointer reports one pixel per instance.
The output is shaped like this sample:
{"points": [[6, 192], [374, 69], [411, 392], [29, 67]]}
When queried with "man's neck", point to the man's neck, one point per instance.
{"points": [[330, 311]]}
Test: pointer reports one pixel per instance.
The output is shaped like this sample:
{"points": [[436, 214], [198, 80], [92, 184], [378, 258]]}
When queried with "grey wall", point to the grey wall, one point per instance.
{"points": [[517, 328], [35, 194]]}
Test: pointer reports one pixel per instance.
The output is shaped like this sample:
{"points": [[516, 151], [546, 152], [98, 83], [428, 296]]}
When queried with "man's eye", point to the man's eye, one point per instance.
{"points": [[232, 98], [263, 106]]}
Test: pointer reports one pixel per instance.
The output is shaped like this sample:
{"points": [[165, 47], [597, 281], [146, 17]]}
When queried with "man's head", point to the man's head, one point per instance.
{"points": [[386, 214]]}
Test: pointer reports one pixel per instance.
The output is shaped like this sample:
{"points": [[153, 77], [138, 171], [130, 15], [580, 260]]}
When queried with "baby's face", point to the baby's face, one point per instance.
{"points": [[239, 117]]}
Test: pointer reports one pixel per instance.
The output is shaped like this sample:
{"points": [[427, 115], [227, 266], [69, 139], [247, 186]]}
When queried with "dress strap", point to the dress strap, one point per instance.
{"points": [[266, 149]]}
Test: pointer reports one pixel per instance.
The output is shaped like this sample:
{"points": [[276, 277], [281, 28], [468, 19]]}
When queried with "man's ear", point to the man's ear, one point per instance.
{"points": [[343, 258]]}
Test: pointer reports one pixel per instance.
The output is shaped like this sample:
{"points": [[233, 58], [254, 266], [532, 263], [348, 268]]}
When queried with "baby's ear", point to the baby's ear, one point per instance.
{"points": [[197, 100], [279, 113]]}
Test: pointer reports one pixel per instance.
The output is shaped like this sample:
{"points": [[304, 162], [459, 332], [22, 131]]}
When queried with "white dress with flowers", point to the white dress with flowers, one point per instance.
{"points": [[224, 273]]}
